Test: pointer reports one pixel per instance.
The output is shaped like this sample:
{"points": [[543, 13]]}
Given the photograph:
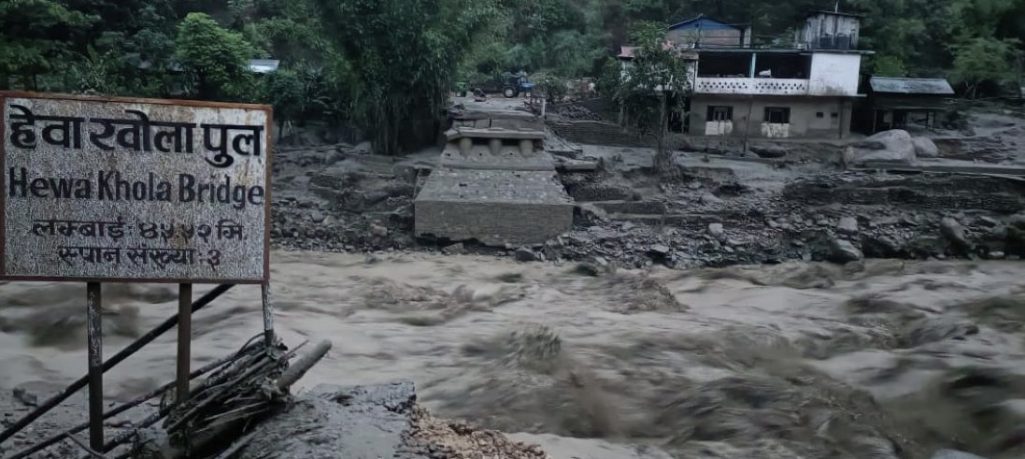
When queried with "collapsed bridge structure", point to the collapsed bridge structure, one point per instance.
{"points": [[495, 184]]}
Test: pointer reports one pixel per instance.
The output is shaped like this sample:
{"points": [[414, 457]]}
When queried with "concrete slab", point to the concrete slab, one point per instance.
{"points": [[509, 157], [949, 166], [494, 133], [495, 207]]}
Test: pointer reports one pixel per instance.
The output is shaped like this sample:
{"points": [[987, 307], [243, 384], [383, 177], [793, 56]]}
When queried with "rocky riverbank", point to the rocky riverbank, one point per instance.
{"points": [[717, 211]]}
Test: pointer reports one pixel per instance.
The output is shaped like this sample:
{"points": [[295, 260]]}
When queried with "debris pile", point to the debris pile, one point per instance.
{"points": [[441, 439], [575, 112], [240, 389]]}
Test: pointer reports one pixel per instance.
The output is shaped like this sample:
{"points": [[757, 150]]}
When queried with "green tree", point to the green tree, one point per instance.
{"points": [[403, 55], [653, 85], [214, 56], [981, 60], [36, 38], [285, 92], [889, 66], [131, 53]]}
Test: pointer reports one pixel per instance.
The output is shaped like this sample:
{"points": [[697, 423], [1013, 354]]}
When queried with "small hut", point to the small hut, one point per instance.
{"points": [[896, 103]]}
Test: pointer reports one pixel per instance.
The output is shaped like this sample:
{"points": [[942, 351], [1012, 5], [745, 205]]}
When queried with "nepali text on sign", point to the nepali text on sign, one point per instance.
{"points": [[131, 189]]}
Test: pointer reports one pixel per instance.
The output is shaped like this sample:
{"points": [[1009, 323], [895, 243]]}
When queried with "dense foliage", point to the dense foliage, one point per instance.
{"points": [[651, 87], [387, 65]]}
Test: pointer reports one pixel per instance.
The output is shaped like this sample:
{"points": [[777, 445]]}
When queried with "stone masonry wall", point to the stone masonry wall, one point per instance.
{"points": [[599, 133], [493, 223]]}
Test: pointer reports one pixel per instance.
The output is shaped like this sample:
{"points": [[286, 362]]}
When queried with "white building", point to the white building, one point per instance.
{"points": [[806, 90]]}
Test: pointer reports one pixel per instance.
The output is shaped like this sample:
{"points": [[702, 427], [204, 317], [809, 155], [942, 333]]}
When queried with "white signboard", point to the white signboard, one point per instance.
{"points": [[107, 189]]}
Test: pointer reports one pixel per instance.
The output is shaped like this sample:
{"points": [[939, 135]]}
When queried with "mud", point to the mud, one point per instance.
{"points": [[342, 199], [881, 358]]}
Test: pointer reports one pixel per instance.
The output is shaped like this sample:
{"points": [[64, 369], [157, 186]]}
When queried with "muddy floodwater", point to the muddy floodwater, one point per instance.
{"points": [[877, 359]]}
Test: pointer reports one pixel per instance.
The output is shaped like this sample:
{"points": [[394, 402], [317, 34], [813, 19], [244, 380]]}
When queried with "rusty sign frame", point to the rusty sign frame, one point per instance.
{"points": [[267, 109]]}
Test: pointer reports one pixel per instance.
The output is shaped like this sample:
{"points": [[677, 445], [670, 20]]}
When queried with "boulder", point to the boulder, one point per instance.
{"points": [[844, 252], [716, 230], [894, 147], [710, 199], [925, 148], [954, 232], [659, 249], [848, 225], [769, 151], [1017, 220], [454, 249], [589, 214], [378, 230], [363, 421], [370, 422], [880, 246], [988, 222], [525, 254]]}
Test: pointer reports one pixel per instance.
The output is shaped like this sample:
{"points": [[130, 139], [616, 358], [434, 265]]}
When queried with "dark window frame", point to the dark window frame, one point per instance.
{"points": [[777, 115], [714, 109]]}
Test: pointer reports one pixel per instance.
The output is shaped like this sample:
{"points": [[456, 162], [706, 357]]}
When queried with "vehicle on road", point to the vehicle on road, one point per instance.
{"points": [[508, 85]]}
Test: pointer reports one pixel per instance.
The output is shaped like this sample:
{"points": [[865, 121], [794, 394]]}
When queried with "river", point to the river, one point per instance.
{"points": [[878, 359]]}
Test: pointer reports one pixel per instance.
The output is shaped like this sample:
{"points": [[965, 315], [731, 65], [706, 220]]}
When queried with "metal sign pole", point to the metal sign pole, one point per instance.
{"points": [[94, 329], [184, 341], [268, 315]]}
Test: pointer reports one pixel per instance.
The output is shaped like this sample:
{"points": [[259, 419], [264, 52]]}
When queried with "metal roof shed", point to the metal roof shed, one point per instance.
{"points": [[919, 86], [893, 103], [263, 65]]}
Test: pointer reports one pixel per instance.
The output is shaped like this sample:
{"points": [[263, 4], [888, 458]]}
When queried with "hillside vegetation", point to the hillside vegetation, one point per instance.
{"points": [[387, 66]]}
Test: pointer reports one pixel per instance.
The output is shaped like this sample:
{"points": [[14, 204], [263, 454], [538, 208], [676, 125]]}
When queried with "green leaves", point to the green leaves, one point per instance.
{"points": [[216, 57], [404, 56], [35, 35], [985, 59], [888, 66]]}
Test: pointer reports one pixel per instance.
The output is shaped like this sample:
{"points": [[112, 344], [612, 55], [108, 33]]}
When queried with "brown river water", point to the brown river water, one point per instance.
{"points": [[877, 360]]}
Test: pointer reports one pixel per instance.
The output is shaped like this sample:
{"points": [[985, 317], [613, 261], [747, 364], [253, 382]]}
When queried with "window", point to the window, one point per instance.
{"points": [[777, 115], [720, 113], [834, 115], [820, 115]]}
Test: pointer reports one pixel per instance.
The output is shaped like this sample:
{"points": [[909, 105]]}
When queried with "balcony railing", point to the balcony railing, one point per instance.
{"points": [[756, 86]]}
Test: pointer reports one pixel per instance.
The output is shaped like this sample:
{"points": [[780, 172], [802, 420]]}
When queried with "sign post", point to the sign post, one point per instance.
{"points": [[94, 332], [268, 315], [96, 189], [184, 342]]}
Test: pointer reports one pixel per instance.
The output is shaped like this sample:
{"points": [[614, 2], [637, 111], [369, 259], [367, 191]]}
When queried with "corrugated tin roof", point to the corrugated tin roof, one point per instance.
{"points": [[834, 13], [630, 52], [938, 86], [264, 65], [705, 23]]}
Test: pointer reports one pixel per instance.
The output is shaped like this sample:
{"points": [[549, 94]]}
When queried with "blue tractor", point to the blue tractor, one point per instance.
{"points": [[508, 84]]}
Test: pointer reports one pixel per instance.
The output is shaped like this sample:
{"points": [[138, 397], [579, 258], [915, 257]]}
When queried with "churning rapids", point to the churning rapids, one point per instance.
{"points": [[876, 360]]}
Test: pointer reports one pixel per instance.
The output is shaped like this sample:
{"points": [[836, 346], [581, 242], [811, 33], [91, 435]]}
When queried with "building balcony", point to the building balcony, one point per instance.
{"points": [[752, 86]]}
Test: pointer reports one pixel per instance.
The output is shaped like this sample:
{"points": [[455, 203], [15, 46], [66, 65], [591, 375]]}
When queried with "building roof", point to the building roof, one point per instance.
{"points": [[627, 52], [263, 65], [834, 13], [705, 23], [630, 52], [937, 86], [749, 50]]}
